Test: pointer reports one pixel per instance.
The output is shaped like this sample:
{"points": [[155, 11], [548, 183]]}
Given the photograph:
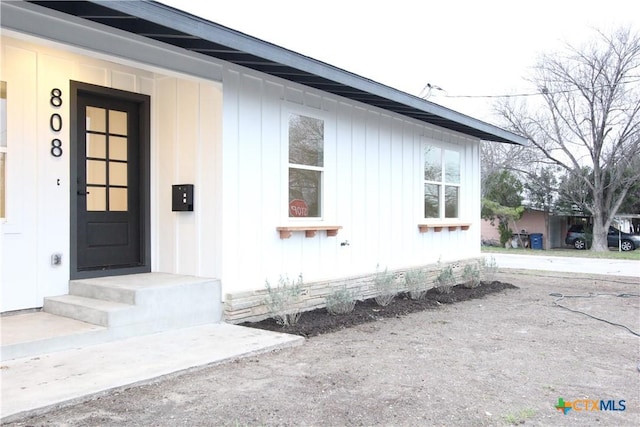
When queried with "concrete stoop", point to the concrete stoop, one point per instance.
{"points": [[109, 308]]}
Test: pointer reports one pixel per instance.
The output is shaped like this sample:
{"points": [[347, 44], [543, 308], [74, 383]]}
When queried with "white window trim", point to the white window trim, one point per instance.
{"points": [[287, 111], [442, 183]]}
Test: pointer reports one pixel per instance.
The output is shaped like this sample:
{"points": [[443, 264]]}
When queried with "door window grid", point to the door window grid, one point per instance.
{"points": [[106, 159]]}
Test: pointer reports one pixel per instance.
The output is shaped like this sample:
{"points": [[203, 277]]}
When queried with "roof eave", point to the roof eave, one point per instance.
{"points": [[394, 100]]}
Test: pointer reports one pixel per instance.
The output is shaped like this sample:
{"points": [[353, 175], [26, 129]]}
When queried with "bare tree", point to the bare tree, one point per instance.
{"points": [[588, 115]]}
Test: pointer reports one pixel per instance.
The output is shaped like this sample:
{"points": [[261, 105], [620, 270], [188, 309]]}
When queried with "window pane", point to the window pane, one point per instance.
{"points": [[451, 201], [96, 119], [431, 201], [452, 167], [117, 173], [117, 148], [96, 146], [118, 122], [306, 141], [117, 199], [432, 163], [304, 193], [96, 172], [96, 199]]}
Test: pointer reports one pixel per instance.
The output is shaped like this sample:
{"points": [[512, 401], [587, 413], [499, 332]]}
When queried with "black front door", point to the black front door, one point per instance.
{"points": [[111, 157]]}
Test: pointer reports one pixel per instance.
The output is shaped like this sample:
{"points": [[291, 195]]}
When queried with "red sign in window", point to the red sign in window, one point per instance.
{"points": [[298, 207]]}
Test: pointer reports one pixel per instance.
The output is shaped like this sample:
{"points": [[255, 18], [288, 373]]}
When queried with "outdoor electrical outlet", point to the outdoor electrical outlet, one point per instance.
{"points": [[56, 259]]}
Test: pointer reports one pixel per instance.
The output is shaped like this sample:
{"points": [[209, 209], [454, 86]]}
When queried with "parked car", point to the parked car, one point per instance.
{"points": [[581, 239]]}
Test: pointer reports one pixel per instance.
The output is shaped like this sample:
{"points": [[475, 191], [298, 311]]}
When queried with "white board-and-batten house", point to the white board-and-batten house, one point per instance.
{"points": [[142, 141]]}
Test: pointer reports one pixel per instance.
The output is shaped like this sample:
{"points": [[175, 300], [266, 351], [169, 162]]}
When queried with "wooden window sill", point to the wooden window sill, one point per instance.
{"points": [[309, 231], [452, 226]]}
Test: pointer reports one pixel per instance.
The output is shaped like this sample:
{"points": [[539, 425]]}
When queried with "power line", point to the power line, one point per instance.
{"points": [[543, 91]]}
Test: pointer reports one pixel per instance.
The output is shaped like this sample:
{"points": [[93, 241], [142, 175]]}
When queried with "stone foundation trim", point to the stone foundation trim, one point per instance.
{"points": [[250, 306]]}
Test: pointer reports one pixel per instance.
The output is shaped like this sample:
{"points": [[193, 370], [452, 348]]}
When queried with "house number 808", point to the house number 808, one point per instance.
{"points": [[55, 122]]}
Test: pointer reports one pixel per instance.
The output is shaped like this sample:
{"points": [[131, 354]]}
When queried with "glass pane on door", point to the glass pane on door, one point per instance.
{"points": [[96, 146], [96, 172], [117, 199], [96, 119], [117, 122], [96, 199], [118, 174], [117, 148], [106, 159]]}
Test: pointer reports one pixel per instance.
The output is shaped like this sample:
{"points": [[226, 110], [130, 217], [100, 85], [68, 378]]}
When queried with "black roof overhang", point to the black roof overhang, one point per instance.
{"points": [[168, 25]]}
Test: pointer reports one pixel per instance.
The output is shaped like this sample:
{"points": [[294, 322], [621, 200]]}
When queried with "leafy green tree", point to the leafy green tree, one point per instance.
{"points": [[631, 204], [542, 192], [502, 201], [503, 187]]}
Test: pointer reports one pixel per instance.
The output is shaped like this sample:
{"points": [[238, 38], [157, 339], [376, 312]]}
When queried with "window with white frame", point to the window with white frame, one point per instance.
{"points": [[3, 147], [441, 182], [306, 166]]}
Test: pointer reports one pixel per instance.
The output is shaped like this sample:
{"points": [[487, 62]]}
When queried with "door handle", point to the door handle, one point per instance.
{"points": [[83, 193]]}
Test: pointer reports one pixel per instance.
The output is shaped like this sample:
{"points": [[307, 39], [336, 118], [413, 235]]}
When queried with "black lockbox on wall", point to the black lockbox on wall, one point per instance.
{"points": [[182, 198]]}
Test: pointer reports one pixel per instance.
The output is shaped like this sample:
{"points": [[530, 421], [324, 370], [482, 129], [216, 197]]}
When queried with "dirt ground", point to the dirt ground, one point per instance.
{"points": [[502, 359]]}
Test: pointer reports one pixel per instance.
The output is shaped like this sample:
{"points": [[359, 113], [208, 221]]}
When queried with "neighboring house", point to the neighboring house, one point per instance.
{"points": [[553, 228], [143, 139], [629, 223]]}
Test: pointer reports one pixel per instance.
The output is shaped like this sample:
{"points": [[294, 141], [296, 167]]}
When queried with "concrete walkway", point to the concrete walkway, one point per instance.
{"points": [[611, 267], [34, 384]]}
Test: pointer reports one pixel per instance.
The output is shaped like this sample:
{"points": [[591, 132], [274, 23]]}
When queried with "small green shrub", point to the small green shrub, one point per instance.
{"points": [[340, 301], [505, 233], [445, 280], [283, 300], [489, 268], [471, 276], [385, 288], [416, 281]]}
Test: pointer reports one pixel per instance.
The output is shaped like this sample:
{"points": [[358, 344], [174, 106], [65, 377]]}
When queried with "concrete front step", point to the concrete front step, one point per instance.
{"points": [[102, 291], [133, 288], [113, 308], [90, 310], [150, 301]]}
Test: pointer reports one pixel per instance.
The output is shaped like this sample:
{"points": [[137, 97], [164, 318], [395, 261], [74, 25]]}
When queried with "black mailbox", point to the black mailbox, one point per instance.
{"points": [[182, 198]]}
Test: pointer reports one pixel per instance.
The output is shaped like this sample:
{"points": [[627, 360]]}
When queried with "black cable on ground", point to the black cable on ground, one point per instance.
{"points": [[560, 297]]}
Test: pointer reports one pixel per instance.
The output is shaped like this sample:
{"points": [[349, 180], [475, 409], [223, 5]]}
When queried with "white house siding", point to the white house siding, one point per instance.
{"points": [[188, 130], [372, 187], [20, 240], [37, 222], [223, 129], [185, 148]]}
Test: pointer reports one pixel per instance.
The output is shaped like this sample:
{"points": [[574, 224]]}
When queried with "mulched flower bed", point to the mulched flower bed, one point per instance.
{"points": [[319, 321]]}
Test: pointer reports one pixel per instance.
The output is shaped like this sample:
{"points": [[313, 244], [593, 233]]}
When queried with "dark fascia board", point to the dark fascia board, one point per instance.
{"points": [[418, 108]]}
